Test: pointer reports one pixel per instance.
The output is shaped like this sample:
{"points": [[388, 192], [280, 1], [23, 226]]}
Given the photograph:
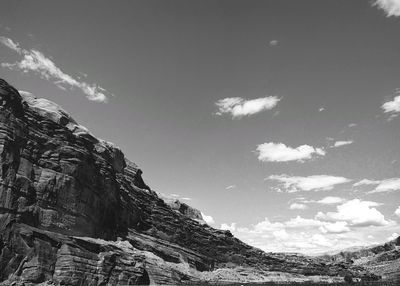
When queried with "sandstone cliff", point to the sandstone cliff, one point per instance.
{"points": [[75, 211]]}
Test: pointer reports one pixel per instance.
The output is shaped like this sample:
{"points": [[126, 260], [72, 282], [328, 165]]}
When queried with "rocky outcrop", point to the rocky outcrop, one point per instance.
{"points": [[74, 211], [382, 260]]}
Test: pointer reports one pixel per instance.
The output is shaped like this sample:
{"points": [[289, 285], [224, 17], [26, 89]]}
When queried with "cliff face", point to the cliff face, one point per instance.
{"points": [[75, 211]]}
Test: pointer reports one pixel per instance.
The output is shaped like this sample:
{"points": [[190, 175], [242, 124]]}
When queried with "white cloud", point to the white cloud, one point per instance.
{"points": [[302, 223], [230, 187], [307, 235], [279, 152], [393, 236], [336, 227], [231, 227], [273, 42], [386, 185], [390, 7], [310, 183], [356, 213], [331, 200], [352, 125], [392, 106], [321, 109], [342, 143], [366, 182], [35, 61], [397, 211], [10, 44], [175, 196], [297, 206], [239, 107], [281, 234], [208, 219]]}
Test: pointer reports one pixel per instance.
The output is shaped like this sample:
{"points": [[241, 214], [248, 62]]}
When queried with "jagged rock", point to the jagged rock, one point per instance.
{"points": [[74, 211]]}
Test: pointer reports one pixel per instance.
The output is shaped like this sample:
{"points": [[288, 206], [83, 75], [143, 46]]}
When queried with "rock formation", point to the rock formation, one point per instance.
{"points": [[382, 260], [75, 211]]}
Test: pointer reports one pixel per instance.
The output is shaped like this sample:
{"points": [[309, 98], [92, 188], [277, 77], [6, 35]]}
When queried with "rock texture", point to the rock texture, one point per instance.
{"points": [[75, 211], [382, 260]]}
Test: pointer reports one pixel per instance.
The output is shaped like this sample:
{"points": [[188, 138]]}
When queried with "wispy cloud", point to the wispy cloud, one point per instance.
{"points": [[310, 183], [279, 152], [37, 62], [331, 200], [239, 107], [230, 187], [324, 201], [366, 182], [390, 7], [342, 143], [321, 109], [382, 186], [387, 185], [176, 196]]}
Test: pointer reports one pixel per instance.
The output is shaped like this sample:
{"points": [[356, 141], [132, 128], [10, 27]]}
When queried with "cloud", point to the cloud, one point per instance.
{"points": [[208, 219], [324, 201], [308, 235], [393, 236], [342, 143], [10, 44], [331, 200], [281, 234], [230, 187], [337, 227], [366, 182], [175, 196], [392, 107], [390, 7], [387, 185], [310, 183], [279, 152], [273, 42], [352, 125], [231, 227], [321, 109], [397, 211], [297, 206], [239, 107], [35, 61], [356, 213]]}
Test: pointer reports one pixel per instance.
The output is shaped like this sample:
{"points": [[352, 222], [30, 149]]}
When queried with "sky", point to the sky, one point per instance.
{"points": [[277, 119]]}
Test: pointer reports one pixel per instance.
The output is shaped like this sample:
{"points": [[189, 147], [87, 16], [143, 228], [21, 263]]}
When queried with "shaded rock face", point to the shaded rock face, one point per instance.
{"points": [[53, 177], [74, 211]]}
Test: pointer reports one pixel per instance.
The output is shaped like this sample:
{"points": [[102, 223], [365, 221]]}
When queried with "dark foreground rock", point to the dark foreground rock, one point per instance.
{"points": [[75, 211]]}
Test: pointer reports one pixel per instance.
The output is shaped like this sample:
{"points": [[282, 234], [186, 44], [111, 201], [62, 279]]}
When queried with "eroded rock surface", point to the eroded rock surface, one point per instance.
{"points": [[75, 211]]}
